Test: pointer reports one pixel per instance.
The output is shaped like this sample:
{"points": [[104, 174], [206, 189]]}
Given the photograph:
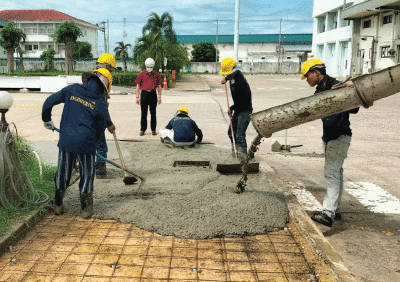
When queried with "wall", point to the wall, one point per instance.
{"points": [[248, 67], [210, 67]]}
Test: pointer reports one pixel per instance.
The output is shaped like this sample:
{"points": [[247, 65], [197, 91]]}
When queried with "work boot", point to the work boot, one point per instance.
{"points": [[241, 154], [101, 170], [58, 202], [154, 132], [87, 205], [141, 133], [322, 218]]}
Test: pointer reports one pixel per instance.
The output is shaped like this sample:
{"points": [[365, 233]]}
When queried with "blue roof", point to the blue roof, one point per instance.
{"points": [[248, 38]]}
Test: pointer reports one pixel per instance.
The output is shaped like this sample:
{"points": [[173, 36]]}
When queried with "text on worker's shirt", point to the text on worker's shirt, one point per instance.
{"points": [[83, 102]]}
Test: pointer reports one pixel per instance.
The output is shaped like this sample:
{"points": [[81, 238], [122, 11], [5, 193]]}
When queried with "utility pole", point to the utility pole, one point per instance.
{"points": [[279, 47], [236, 37], [105, 40], [216, 48], [108, 36]]}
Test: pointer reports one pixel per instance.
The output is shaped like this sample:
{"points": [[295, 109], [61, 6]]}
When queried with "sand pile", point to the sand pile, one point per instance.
{"points": [[187, 202]]}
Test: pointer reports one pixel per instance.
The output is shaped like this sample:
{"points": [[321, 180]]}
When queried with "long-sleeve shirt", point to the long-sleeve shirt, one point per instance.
{"points": [[84, 117], [241, 93], [338, 124]]}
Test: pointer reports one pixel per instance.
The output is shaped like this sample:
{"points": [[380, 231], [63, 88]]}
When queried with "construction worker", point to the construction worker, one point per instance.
{"points": [[108, 62], [83, 120], [148, 83], [181, 130], [241, 108], [336, 139]]}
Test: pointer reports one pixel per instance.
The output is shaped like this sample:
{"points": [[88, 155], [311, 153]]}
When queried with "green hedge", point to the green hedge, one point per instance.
{"points": [[129, 79]]}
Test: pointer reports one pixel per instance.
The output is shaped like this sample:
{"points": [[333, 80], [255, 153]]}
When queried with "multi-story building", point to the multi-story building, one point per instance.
{"points": [[40, 25], [256, 47], [332, 36], [376, 40]]}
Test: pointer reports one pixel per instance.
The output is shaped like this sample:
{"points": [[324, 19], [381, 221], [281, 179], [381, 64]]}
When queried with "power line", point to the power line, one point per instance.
{"points": [[220, 21]]}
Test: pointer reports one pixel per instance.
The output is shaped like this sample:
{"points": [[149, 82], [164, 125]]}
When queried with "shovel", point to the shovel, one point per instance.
{"points": [[131, 179], [276, 147]]}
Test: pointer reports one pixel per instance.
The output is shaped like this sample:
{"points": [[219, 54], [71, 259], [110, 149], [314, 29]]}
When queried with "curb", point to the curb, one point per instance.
{"points": [[20, 230], [310, 231]]}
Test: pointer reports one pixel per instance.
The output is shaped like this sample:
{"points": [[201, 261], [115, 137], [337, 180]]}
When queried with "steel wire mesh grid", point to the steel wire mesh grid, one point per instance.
{"points": [[69, 248]]}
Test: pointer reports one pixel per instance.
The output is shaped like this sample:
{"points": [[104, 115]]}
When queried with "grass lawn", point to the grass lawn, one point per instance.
{"points": [[43, 185]]}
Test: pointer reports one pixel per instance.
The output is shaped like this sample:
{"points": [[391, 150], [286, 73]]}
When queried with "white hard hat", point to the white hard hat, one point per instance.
{"points": [[149, 62]]}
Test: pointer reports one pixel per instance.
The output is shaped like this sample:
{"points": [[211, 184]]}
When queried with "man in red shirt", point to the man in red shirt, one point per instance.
{"points": [[147, 82]]}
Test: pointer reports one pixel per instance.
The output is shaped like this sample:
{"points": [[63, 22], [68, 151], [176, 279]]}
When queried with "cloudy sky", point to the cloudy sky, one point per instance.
{"points": [[190, 16]]}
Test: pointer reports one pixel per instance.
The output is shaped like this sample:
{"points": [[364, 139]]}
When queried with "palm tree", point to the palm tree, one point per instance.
{"points": [[147, 46], [10, 38], [68, 33], [121, 52], [163, 25], [21, 53]]}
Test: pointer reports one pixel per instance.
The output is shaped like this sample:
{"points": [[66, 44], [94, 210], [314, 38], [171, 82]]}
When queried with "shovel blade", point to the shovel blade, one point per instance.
{"points": [[237, 168]]}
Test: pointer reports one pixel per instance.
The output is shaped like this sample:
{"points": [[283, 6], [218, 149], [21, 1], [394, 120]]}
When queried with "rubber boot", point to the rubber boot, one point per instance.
{"points": [[101, 170], [242, 154], [87, 205], [58, 202]]}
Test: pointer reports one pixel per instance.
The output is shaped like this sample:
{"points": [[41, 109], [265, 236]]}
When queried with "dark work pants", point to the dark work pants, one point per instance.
{"points": [[101, 148], [148, 100]]}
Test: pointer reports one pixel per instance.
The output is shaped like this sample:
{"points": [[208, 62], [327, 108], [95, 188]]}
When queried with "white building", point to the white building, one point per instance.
{"points": [[332, 36], [39, 25], [255, 47], [376, 40]]}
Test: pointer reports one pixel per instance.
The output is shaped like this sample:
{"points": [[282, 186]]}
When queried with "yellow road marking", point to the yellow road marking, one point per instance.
{"points": [[27, 107]]}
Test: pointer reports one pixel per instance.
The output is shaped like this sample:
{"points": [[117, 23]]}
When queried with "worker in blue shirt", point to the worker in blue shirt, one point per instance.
{"points": [[181, 130], [84, 119]]}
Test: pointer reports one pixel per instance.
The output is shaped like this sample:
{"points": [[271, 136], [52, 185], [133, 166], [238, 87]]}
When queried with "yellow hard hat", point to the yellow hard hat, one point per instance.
{"points": [[227, 66], [107, 58], [106, 74], [182, 109], [310, 63]]}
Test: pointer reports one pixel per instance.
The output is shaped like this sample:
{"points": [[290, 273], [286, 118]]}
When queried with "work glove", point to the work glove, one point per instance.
{"points": [[49, 125]]}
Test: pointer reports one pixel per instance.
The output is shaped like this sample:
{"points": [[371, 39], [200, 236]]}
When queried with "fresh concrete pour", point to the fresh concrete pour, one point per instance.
{"points": [[186, 202]]}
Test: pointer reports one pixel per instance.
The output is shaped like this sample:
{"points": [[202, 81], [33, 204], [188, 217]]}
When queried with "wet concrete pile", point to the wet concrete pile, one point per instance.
{"points": [[187, 202]]}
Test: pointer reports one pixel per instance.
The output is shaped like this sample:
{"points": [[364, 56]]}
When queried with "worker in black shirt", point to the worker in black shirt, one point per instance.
{"points": [[241, 108]]}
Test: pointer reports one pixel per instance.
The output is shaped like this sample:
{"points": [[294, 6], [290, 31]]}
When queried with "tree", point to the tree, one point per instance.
{"points": [[68, 33], [10, 38], [21, 59], [81, 50], [48, 57], [162, 25], [121, 52], [149, 46], [177, 56], [203, 52]]}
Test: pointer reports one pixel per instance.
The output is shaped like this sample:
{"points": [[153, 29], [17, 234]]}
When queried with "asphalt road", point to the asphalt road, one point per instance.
{"points": [[368, 236]]}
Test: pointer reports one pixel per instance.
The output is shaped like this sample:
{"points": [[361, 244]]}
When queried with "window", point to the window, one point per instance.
{"points": [[262, 58], [367, 24], [361, 53], [288, 58], [28, 47], [387, 19], [385, 51]]}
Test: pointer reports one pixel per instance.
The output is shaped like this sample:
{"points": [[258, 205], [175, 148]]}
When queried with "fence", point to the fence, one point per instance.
{"points": [[200, 67]]}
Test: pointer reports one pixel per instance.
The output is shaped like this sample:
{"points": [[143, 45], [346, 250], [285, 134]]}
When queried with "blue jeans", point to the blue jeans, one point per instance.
{"points": [[101, 148], [240, 122], [335, 153]]}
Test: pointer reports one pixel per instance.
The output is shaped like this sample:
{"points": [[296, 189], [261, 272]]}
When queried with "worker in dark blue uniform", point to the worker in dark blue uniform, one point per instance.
{"points": [[83, 119], [181, 130]]}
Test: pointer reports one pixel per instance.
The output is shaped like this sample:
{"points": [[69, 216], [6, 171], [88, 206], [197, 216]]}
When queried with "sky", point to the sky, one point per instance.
{"points": [[191, 17]]}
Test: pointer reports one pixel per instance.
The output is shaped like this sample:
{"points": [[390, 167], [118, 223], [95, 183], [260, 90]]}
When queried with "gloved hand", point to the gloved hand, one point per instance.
{"points": [[49, 125]]}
